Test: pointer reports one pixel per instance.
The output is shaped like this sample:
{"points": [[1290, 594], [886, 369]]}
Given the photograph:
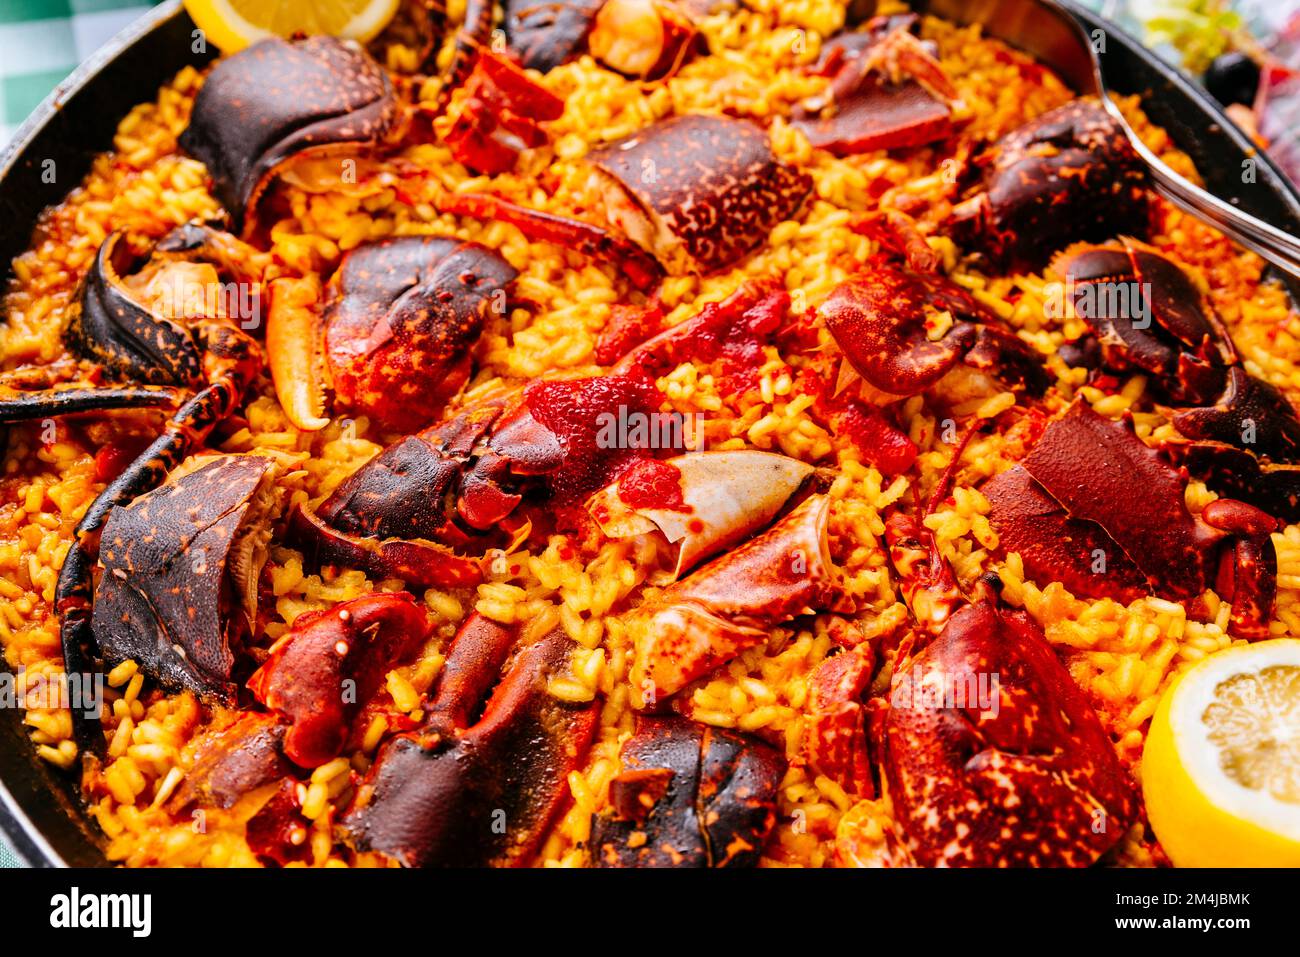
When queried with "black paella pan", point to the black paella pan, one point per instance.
{"points": [[39, 813]]}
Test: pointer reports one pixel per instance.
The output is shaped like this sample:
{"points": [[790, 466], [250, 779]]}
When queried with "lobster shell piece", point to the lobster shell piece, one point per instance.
{"points": [[545, 34], [698, 191], [1162, 537], [1055, 547], [482, 795], [162, 597], [1025, 779], [689, 796], [242, 757], [1071, 503], [400, 316], [280, 100]]}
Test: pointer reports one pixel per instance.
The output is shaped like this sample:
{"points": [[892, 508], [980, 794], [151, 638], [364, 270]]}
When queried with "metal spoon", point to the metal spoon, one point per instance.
{"points": [[1046, 30]]}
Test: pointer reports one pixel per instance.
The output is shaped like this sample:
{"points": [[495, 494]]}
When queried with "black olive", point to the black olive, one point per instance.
{"points": [[1233, 78]]}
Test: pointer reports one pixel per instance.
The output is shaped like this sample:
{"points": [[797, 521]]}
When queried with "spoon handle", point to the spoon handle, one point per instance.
{"points": [[1277, 247]]}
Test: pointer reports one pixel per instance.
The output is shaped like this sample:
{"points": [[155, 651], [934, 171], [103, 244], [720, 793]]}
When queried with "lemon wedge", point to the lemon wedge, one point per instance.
{"points": [[1221, 766], [234, 24]]}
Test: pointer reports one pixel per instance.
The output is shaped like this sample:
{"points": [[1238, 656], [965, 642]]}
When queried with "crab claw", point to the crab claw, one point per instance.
{"points": [[284, 101], [697, 192], [903, 331], [329, 664], [172, 559], [992, 755], [689, 796], [732, 603], [703, 502], [1068, 175], [437, 797]]}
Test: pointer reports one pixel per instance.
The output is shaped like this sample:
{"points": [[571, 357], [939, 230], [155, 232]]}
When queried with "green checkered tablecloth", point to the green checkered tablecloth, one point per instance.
{"points": [[41, 41]]}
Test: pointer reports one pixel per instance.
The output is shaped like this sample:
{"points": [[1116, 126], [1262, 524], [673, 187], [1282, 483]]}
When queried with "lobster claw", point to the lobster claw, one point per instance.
{"points": [[992, 755], [716, 193], [1146, 312], [689, 796], [435, 797], [396, 323], [703, 502], [732, 603], [1249, 412], [329, 664], [400, 316], [113, 323], [902, 331], [1084, 535]]}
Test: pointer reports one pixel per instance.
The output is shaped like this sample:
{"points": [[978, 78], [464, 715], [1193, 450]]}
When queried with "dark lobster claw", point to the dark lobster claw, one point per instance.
{"points": [[280, 101], [689, 795], [1250, 413], [173, 560], [993, 756], [330, 663], [1069, 175], [453, 795], [1146, 312], [109, 324], [884, 323]]}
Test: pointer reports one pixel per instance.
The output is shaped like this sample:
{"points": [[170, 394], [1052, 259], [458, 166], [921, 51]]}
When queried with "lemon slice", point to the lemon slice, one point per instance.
{"points": [[1221, 767], [234, 24]]}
